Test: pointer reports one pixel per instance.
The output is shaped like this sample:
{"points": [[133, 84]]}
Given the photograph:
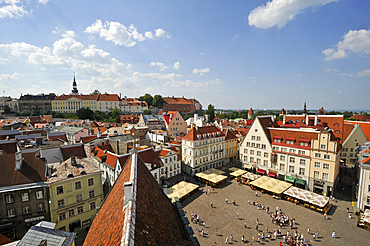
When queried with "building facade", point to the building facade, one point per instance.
{"points": [[203, 148], [76, 193], [363, 176], [355, 138], [231, 147], [36, 104], [181, 104], [175, 124]]}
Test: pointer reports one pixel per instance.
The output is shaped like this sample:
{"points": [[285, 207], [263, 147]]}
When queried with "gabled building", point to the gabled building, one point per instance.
{"points": [[354, 137], [203, 148], [24, 199], [180, 104], [175, 124], [171, 163], [153, 122], [136, 212], [76, 193]]}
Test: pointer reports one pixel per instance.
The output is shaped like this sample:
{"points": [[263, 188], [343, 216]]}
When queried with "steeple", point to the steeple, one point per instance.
{"points": [[305, 108], [74, 85]]}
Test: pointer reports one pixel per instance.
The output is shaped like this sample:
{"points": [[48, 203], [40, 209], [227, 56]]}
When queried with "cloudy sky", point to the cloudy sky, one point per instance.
{"points": [[232, 54]]}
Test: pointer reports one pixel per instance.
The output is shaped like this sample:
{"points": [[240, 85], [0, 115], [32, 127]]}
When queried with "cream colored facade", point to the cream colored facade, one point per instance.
{"points": [[176, 126], [256, 147], [354, 140], [74, 201], [363, 175], [325, 164], [231, 150], [72, 104]]}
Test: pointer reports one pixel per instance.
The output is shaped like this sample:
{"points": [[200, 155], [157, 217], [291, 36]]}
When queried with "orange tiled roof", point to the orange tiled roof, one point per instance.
{"points": [[81, 97], [347, 129], [250, 111], [108, 97], [201, 133], [176, 100], [365, 126], [164, 152], [361, 117]]}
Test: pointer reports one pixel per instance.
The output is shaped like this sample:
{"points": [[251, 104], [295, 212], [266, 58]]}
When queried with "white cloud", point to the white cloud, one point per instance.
{"points": [[330, 69], [279, 12], [3, 60], [160, 33], [119, 34], [356, 41], [5, 78], [298, 75], [13, 9], [161, 65], [43, 1], [176, 65], [201, 71], [363, 73]]}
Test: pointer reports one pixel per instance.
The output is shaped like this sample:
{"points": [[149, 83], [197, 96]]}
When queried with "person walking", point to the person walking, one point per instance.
{"points": [[211, 204], [333, 234], [216, 232], [256, 193], [243, 238], [226, 200], [245, 224], [231, 238], [308, 230], [237, 216], [227, 240]]}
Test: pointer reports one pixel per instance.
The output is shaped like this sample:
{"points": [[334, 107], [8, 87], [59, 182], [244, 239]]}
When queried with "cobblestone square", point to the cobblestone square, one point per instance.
{"points": [[223, 217]]}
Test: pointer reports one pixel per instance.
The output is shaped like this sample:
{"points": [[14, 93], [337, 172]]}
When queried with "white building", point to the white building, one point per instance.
{"points": [[171, 163], [363, 175], [203, 148], [196, 120]]}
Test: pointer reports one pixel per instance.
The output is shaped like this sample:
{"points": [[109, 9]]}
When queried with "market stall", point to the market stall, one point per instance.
{"points": [[211, 176], [271, 185], [181, 190], [238, 173]]}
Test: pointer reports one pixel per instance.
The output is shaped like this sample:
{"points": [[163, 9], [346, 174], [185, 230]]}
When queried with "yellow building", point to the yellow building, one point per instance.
{"points": [[325, 161], [76, 193], [231, 147]]}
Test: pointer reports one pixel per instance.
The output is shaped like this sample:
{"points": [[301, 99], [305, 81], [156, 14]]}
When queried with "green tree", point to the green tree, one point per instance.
{"points": [[85, 113], [211, 112], [188, 115], [96, 92], [7, 109], [147, 112], [148, 99], [99, 115], [158, 101]]}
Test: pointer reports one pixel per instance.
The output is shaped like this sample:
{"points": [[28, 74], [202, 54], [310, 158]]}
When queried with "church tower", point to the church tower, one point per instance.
{"points": [[305, 108], [74, 85]]}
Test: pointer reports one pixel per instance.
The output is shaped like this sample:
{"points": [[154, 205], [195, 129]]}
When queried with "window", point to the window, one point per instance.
{"points": [[322, 146], [25, 197], [325, 166], [90, 182], [325, 176], [344, 154], [276, 140], [292, 150], [317, 164], [291, 169], [26, 209], [61, 203], [290, 142], [245, 158], [62, 216], [282, 157], [302, 162], [251, 152], [283, 149], [80, 210], [291, 159], [266, 155], [316, 174], [255, 130], [326, 157], [301, 171], [368, 188], [317, 155], [60, 190], [92, 205], [91, 194], [248, 143], [282, 167], [258, 161], [258, 153], [263, 146], [71, 213], [41, 207], [303, 143], [251, 160], [78, 185], [351, 149], [39, 194], [265, 163], [245, 151], [253, 137], [258, 145], [79, 198], [301, 152], [368, 200], [258, 138], [276, 148], [9, 199], [11, 212]]}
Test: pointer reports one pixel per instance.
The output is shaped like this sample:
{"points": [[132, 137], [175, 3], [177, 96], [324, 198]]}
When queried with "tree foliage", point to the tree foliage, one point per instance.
{"points": [[211, 112], [7, 109], [147, 112], [158, 101], [85, 113], [96, 92]]}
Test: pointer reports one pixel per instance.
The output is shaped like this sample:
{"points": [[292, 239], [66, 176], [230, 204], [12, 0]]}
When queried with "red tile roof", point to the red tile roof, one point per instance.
{"points": [[250, 111], [347, 129], [81, 97], [108, 97], [8, 146], [230, 135], [292, 135], [148, 219], [365, 126], [33, 170], [72, 150], [201, 133], [164, 152], [360, 117], [176, 100], [4, 239]]}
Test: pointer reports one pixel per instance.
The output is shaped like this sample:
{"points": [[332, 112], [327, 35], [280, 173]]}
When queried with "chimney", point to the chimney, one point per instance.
{"points": [[315, 123], [43, 242], [18, 160], [284, 119], [99, 133], [127, 188], [73, 161], [165, 189]]}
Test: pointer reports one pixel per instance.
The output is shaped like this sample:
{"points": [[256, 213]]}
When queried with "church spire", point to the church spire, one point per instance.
{"points": [[74, 85], [305, 108]]}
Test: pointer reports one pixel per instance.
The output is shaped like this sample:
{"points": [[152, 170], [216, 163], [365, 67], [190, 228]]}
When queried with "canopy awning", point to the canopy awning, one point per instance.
{"points": [[307, 196], [300, 181], [272, 174], [250, 176], [180, 190], [247, 166], [290, 179], [238, 173], [273, 185], [261, 171]]}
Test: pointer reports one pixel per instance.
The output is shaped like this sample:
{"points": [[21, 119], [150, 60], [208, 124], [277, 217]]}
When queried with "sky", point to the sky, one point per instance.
{"points": [[231, 54]]}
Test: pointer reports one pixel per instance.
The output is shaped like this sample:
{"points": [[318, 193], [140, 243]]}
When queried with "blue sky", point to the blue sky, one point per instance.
{"points": [[232, 54]]}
